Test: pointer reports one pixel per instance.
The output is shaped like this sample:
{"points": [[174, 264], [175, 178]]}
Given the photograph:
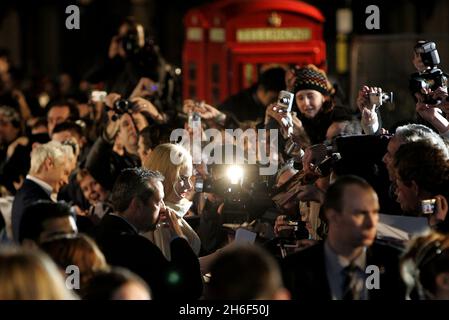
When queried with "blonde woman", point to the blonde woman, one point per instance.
{"points": [[175, 164], [26, 275]]}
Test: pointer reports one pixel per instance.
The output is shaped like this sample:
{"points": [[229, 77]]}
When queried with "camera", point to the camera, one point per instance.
{"points": [[427, 50], [194, 119], [98, 96], [293, 150], [431, 78], [130, 43], [285, 100], [324, 168], [120, 107], [428, 206], [299, 231], [379, 98]]}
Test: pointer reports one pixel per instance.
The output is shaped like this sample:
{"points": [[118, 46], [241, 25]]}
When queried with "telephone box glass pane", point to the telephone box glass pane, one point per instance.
{"points": [[215, 73], [216, 95], [192, 71], [192, 92]]}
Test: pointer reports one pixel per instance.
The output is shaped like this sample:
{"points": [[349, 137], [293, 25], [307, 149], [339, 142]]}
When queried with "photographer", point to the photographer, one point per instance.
{"points": [[432, 112], [301, 200], [120, 130], [429, 86], [131, 57], [135, 68]]}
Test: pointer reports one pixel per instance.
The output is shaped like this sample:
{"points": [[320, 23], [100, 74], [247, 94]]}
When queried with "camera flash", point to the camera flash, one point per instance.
{"points": [[235, 174]]}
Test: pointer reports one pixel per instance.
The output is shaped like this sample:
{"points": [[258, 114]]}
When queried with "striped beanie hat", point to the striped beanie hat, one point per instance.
{"points": [[312, 78]]}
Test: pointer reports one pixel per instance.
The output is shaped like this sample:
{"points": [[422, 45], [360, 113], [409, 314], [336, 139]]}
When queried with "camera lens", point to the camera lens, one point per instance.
{"points": [[121, 106]]}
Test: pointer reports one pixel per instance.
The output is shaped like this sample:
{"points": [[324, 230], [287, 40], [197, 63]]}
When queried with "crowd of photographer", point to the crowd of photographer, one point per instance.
{"points": [[94, 179]]}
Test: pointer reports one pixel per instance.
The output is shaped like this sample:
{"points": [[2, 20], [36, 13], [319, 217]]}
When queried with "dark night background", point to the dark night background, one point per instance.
{"points": [[35, 34]]}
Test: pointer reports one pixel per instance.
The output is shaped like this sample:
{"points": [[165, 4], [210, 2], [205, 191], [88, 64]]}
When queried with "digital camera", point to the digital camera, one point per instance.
{"points": [[130, 43], [428, 206], [285, 100], [431, 78], [98, 96], [194, 119], [379, 98], [120, 107], [428, 81]]}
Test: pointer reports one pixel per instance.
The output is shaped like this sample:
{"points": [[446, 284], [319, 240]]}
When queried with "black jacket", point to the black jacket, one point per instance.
{"points": [[244, 105], [316, 128], [179, 278], [305, 275], [105, 165], [29, 193]]}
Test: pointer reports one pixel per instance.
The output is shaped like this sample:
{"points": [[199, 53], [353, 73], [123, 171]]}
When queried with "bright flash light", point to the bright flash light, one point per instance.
{"points": [[235, 174]]}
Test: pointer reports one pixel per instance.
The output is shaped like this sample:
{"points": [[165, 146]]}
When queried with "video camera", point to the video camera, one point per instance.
{"points": [[432, 77]]}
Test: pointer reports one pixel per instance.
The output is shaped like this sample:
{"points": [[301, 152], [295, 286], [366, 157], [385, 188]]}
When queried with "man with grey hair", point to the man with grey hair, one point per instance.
{"points": [[407, 134], [411, 133], [48, 173]]}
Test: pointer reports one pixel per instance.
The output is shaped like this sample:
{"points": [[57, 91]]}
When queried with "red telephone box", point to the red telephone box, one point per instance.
{"points": [[229, 42]]}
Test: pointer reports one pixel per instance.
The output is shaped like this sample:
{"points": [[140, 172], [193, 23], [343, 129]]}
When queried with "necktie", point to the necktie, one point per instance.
{"points": [[349, 283]]}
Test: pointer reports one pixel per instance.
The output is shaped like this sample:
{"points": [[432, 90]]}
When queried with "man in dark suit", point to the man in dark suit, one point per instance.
{"points": [[48, 172], [45, 219], [348, 265], [137, 198]]}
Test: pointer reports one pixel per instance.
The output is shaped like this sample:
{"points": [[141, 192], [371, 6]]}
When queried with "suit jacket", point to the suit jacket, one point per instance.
{"points": [[122, 246], [304, 273], [29, 193]]}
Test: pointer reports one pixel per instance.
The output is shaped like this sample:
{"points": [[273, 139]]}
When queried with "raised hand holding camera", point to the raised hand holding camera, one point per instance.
{"points": [[432, 114], [139, 104], [145, 88], [371, 98], [281, 112], [429, 77]]}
